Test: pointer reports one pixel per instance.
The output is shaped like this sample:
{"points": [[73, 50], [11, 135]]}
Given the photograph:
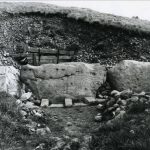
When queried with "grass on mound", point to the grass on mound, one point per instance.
{"points": [[130, 133], [14, 133]]}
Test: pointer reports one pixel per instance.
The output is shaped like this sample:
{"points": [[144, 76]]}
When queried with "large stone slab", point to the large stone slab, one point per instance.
{"points": [[65, 80], [9, 80], [130, 74]]}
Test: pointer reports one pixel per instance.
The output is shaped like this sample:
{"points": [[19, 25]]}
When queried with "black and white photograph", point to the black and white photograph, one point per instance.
{"points": [[74, 75]]}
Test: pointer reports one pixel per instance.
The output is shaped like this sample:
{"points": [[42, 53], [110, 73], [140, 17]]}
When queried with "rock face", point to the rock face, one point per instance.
{"points": [[9, 80], [65, 80], [130, 74]]}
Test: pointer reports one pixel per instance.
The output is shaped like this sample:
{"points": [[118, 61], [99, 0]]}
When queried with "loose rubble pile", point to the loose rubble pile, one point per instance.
{"points": [[118, 104], [28, 108]]}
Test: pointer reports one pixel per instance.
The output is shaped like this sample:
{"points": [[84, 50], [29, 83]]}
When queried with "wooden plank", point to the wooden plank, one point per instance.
{"points": [[42, 50], [65, 57], [50, 51], [48, 57]]}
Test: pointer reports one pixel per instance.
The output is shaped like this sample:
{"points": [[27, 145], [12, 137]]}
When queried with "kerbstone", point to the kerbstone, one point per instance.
{"points": [[66, 80]]}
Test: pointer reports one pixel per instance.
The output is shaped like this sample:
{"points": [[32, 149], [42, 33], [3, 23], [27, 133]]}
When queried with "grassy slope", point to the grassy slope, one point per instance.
{"points": [[78, 13], [129, 133], [14, 134]]}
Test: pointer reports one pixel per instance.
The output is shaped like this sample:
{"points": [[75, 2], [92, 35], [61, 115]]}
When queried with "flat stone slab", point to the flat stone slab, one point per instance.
{"points": [[68, 102], [100, 100], [44, 102], [56, 106], [79, 104], [89, 100]]}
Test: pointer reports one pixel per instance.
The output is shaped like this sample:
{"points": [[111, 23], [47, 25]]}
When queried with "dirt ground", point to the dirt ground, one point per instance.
{"points": [[72, 122]]}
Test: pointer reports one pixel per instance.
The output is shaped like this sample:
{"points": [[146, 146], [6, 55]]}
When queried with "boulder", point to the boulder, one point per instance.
{"points": [[9, 80], [130, 74], [66, 80]]}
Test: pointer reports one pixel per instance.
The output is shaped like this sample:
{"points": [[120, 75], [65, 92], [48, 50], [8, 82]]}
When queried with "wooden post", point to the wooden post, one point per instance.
{"points": [[57, 56], [39, 54]]}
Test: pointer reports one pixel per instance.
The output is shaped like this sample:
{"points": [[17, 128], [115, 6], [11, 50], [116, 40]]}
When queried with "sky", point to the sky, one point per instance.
{"points": [[121, 8]]}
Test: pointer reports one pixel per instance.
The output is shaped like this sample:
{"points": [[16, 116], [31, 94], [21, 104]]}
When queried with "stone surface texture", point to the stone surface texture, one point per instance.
{"points": [[9, 80], [68, 80], [130, 74]]}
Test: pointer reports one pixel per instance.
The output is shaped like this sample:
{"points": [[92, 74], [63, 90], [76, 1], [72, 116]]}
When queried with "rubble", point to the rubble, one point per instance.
{"points": [[114, 108]]}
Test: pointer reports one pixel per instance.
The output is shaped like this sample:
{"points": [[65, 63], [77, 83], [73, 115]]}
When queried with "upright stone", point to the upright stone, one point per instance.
{"points": [[130, 74], [68, 102], [44, 102], [9, 80], [66, 80]]}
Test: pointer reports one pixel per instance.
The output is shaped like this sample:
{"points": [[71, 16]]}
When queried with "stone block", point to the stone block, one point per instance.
{"points": [[44, 102], [68, 102]]}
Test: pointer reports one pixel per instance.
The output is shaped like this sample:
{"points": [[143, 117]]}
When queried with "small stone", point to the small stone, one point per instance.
{"points": [[110, 109], [32, 130], [142, 93], [111, 102], [68, 102], [98, 118], [23, 113], [26, 96], [69, 124], [132, 131], [133, 99], [100, 96], [44, 102], [99, 114], [117, 110], [41, 131], [125, 94], [30, 105], [105, 97], [100, 100], [115, 93], [99, 106], [89, 100], [38, 114], [40, 147], [18, 102], [37, 102], [115, 105], [123, 102], [143, 100], [48, 130]]}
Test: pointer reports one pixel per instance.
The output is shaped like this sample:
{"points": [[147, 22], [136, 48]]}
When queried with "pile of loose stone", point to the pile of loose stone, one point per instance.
{"points": [[114, 106], [29, 108]]}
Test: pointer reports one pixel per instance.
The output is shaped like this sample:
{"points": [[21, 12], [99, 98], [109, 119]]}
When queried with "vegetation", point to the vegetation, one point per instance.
{"points": [[14, 132], [129, 133]]}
